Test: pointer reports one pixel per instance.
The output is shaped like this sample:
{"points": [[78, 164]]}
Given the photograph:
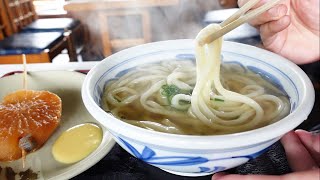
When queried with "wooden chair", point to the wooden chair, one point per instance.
{"points": [[24, 19], [110, 42], [5, 28], [38, 47], [20, 12]]}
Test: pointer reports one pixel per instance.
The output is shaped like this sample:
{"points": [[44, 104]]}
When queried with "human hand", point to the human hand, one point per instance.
{"points": [[291, 29], [303, 155]]}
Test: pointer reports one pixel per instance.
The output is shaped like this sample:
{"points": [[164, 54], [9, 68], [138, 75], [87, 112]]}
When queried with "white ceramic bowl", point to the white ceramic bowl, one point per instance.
{"points": [[199, 155]]}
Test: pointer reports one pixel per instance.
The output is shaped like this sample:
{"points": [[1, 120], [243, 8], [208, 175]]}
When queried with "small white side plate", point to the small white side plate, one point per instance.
{"points": [[67, 85]]}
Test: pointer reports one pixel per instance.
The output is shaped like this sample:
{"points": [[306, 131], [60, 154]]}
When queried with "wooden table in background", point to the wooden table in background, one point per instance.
{"points": [[95, 14]]}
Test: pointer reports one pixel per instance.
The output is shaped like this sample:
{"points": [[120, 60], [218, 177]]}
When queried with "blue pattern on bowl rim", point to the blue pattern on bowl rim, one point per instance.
{"points": [[186, 56], [268, 77]]}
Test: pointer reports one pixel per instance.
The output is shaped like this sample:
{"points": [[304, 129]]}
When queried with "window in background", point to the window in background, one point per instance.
{"points": [[49, 7]]}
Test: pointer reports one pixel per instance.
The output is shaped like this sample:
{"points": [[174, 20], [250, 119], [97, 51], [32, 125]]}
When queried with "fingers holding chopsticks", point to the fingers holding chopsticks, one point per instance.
{"points": [[272, 24], [274, 14]]}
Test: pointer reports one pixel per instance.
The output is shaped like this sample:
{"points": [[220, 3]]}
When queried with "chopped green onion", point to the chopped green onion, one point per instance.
{"points": [[217, 99], [169, 91]]}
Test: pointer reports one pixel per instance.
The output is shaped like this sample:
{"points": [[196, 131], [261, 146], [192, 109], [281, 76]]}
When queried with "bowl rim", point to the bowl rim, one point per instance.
{"points": [[246, 138]]}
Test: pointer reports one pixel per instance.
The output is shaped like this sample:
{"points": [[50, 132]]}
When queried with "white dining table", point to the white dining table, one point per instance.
{"points": [[69, 66]]}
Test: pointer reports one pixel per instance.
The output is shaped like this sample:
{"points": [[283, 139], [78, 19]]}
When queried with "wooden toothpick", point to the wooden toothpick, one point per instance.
{"points": [[24, 60]]}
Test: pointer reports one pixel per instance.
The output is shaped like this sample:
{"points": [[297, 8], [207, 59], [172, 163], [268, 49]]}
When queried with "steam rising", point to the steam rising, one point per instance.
{"points": [[182, 21]]}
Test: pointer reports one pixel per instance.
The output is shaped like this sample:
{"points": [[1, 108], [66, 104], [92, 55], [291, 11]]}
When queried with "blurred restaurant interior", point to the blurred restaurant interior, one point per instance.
{"points": [[79, 30]]}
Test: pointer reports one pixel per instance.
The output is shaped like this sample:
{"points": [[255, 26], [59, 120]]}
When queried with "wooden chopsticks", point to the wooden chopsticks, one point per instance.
{"points": [[237, 19]]}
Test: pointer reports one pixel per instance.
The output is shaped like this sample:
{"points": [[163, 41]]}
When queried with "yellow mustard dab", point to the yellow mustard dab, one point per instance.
{"points": [[77, 143]]}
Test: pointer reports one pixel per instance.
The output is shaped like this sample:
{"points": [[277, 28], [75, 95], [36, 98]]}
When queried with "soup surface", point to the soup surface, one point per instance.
{"points": [[158, 97]]}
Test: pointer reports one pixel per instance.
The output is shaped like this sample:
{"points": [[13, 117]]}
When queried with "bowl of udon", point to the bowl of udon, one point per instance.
{"points": [[195, 110]]}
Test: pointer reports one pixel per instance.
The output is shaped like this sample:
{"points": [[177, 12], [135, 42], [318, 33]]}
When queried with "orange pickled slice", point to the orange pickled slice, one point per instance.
{"points": [[27, 113]]}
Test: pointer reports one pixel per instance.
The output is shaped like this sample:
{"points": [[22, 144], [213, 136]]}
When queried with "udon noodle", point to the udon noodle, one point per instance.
{"points": [[177, 96]]}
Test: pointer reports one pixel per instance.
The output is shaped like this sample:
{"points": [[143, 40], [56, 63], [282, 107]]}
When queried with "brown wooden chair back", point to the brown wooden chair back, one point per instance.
{"points": [[5, 27], [20, 12], [17, 14]]}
